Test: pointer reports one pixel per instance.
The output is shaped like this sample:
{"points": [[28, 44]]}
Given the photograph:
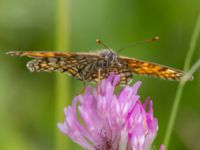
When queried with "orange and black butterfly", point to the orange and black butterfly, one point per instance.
{"points": [[96, 66]]}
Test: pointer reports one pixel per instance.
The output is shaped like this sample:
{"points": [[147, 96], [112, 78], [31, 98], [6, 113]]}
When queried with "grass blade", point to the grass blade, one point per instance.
{"points": [[181, 85], [62, 90]]}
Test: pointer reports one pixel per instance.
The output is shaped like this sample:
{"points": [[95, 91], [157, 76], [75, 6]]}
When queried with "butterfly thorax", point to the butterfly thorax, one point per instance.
{"points": [[111, 62], [98, 67]]}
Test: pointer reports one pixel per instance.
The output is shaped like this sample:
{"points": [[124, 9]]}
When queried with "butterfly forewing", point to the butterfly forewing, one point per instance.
{"points": [[140, 67]]}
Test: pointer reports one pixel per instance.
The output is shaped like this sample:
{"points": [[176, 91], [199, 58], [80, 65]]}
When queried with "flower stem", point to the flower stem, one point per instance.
{"points": [[62, 41], [182, 82]]}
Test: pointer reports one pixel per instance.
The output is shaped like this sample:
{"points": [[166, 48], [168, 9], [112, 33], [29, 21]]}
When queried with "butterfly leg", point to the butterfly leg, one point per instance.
{"points": [[84, 81], [83, 88], [99, 81]]}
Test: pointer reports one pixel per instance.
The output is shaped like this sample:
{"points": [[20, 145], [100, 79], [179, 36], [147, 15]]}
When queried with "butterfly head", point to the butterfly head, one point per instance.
{"points": [[110, 57]]}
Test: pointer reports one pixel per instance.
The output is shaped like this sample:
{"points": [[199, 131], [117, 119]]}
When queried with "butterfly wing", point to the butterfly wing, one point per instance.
{"points": [[78, 65], [140, 67], [84, 66]]}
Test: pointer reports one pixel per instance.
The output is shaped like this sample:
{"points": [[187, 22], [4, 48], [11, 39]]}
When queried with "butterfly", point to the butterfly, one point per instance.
{"points": [[92, 67]]}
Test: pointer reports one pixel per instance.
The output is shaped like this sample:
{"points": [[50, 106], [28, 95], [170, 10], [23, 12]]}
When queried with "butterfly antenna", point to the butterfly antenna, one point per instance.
{"points": [[98, 41], [156, 38]]}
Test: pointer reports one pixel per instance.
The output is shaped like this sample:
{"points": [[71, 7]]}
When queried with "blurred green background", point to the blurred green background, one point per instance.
{"points": [[27, 100]]}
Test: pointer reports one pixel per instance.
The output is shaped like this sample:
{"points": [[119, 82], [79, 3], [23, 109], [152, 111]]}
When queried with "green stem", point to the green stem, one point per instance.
{"points": [[181, 85], [62, 40]]}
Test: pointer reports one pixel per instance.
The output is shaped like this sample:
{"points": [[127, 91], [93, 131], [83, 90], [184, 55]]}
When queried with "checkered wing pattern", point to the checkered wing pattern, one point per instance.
{"points": [[140, 67], [77, 65], [86, 66]]}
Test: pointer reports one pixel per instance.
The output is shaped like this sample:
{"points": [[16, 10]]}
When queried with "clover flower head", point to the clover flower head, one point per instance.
{"points": [[99, 119]]}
